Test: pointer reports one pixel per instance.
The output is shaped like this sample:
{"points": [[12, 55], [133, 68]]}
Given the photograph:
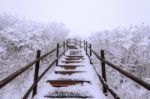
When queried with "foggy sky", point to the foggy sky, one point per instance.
{"points": [[82, 16]]}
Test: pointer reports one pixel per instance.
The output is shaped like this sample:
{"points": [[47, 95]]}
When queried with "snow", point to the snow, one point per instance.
{"points": [[128, 48], [19, 41], [1, 49], [93, 89]]}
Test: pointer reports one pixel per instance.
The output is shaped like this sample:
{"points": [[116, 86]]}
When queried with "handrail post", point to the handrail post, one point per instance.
{"points": [[64, 45], [86, 48], [80, 44], [75, 41], [103, 71], [67, 43], [90, 50], [36, 72], [57, 53], [90, 53], [84, 44]]}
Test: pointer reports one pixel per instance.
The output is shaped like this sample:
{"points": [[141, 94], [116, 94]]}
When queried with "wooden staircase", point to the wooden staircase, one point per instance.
{"points": [[72, 77]]}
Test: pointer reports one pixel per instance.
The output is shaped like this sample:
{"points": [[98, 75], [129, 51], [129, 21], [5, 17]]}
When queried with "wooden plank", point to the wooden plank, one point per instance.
{"points": [[66, 83], [74, 58], [68, 61], [68, 72]]}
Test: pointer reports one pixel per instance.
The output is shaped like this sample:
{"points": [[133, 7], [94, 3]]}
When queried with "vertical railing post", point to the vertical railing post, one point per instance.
{"points": [[36, 72], [103, 70], [80, 44], [86, 48], [90, 50], [90, 53], [84, 44], [57, 53], [64, 45], [75, 41], [67, 43]]}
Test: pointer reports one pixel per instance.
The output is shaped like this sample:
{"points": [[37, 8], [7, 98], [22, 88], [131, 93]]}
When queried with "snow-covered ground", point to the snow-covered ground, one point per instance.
{"points": [[92, 89], [128, 48], [19, 41]]}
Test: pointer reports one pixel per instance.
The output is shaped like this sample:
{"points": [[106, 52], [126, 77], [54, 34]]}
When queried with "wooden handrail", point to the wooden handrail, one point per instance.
{"points": [[87, 48], [106, 86], [23, 69], [39, 78], [134, 78], [104, 61]]}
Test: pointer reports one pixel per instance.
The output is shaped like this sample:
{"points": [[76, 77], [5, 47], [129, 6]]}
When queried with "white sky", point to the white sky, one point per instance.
{"points": [[82, 16]]}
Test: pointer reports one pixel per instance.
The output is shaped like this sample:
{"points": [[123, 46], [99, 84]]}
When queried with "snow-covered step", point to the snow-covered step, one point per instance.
{"points": [[73, 78], [68, 72], [66, 82], [70, 67], [68, 94], [72, 47], [74, 58], [70, 61]]}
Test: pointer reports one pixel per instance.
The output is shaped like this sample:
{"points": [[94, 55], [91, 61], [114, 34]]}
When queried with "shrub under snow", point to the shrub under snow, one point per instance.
{"points": [[129, 49], [19, 41]]}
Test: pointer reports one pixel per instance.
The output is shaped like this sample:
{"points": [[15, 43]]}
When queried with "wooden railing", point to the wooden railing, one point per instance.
{"points": [[37, 78], [89, 51], [101, 57]]}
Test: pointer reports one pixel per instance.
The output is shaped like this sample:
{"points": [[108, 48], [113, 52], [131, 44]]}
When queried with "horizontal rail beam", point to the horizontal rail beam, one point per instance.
{"points": [[39, 78], [20, 71], [134, 78], [106, 86]]}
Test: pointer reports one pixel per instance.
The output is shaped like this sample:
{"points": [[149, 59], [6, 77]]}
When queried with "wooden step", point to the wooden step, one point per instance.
{"points": [[66, 82], [68, 72], [71, 53], [69, 61], [72, 47], [75, 97], [66, 94], [70, 66], [74, 58]]}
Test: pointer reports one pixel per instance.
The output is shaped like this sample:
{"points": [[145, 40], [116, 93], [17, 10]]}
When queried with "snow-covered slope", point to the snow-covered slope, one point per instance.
{"points": [[130, 49], [19, 41]]}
